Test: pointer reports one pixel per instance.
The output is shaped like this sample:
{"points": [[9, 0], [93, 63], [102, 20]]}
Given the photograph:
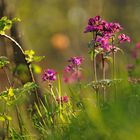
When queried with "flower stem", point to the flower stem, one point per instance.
{"points": [[103, 74], [94, 59], [95, 70], [114, 72], [114, 77]]}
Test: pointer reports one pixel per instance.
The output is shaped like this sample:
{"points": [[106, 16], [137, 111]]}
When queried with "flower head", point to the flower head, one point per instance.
{"points": [[94, 24], [49, 75]]}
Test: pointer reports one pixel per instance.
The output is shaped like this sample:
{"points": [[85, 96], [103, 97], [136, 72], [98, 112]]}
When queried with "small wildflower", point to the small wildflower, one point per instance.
{"points": [[76, 60], [62, 99], [69, 68], [72, 77], [49, 75], [122, 38], [72, 71]]}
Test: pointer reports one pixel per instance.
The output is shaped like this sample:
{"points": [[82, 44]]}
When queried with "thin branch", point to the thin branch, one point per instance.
{"points": [[14, 41]]}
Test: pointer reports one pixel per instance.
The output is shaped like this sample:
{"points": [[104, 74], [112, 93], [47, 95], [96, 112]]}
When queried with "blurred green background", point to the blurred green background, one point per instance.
{"points": [[54, 28]]}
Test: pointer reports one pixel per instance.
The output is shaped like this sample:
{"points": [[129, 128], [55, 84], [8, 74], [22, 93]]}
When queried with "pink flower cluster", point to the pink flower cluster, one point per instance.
{"points": [[105, 33], [72, 71]]}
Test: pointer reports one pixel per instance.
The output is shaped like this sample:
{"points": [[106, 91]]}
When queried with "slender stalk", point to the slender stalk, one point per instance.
{"points": [[28, 65], [114, 77], [5, 108], [97, 97], [95, 70], [7, 129], [33, 79], [103, 74], [94, 59], [114, 72], [14, 41], [79, 83], [4, 123]]}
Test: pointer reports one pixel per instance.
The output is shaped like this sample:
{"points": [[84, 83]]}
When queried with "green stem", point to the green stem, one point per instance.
{"points": [[114, 77], [97, 97], [114, 72], [95, 70], [33, 80], [103, 73], [20, 121], [14, 41], [94, 59]]}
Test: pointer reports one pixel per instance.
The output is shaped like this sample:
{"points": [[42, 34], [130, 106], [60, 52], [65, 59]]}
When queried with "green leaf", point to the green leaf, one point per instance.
{"points": [[109, 58], [14, 96], [30, 86], [3, 61], [8, 118], [2, 118], [29, 53], [16, 19], [30, 56], [38, 110], [5, 24], [10, 92], [38, 58]]}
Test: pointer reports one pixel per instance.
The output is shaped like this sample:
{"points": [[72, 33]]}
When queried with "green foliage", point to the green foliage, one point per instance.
{"points": [[30, 56], [4, 117], [3, 61], [15, 135], [6, 24], [12, 96]]}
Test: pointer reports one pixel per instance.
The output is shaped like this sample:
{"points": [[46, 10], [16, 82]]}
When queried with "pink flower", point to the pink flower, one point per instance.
{"points": [[122, 38], [76, 60], [62, 99], [69, 68], [72, 71], [103, 41], [72, 77], [49, 75]]}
